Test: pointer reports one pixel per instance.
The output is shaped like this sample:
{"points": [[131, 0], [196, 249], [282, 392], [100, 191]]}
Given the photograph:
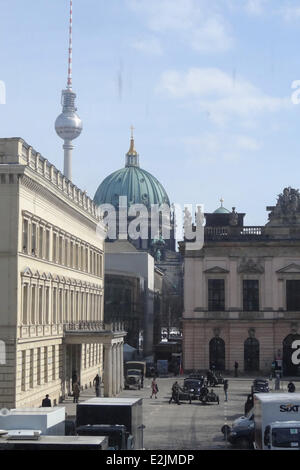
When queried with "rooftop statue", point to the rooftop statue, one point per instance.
{"points": [[288, 205]]}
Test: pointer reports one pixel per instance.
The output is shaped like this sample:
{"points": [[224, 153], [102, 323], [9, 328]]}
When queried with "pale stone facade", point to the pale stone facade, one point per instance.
{"points": [[241, 293], [52, 284]]}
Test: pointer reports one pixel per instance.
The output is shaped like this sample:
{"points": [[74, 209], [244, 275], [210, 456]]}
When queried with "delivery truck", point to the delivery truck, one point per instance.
{"points": [[277, 421], [121, 419]]}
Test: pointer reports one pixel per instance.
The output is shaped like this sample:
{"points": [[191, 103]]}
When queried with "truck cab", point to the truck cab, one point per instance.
{"points": [[133, 378], [282, 435]]}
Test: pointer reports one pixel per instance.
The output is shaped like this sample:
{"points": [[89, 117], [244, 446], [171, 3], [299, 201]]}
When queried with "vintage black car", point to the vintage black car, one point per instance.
{"points": [[193, 387], [260, 386]]}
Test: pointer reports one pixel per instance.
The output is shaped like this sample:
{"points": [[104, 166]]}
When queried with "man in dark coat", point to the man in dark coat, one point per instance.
{"points": [[46, 401], [291, 387], [175, 393]]}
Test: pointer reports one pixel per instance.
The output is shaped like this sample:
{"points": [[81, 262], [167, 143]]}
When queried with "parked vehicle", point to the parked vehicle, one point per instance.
{"points": [[127, 412], [277, 421], [136, 379], [241, 433], [193, 387], [208, 396], [133, 379], [260, 386]]}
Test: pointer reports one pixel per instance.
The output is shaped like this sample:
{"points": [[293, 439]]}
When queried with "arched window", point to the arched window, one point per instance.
{"points": [[289, 369], [217, 353], [251, 354]]}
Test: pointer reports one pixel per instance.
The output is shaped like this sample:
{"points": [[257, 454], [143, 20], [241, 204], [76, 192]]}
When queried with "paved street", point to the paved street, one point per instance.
{"points": [[188, 426]]}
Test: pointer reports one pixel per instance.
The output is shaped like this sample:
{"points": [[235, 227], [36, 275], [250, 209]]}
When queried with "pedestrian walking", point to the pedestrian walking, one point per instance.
{"points": [[76, 392], [236, 366], [249, 404], [175, 393], [97, 383], [277, 381], [226, 389], [154, 388], [46, 401]]}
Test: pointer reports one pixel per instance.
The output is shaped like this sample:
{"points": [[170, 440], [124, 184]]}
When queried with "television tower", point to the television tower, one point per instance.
{"points": [[68, 125]]}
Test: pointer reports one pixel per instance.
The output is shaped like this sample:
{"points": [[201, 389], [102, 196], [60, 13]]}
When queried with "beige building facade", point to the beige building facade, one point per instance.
{"points": [[52, 329], [242, 292]]}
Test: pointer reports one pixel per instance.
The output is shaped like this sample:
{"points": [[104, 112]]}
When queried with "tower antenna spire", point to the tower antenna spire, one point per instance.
{"points": [[69, 82], [68, 125]]}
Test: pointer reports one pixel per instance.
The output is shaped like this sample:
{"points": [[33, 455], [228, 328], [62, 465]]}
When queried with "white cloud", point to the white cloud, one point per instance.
{"points": [[290, 13], [195, 22], [213, 147], [255, 7], [149, 46], [218, 94]]}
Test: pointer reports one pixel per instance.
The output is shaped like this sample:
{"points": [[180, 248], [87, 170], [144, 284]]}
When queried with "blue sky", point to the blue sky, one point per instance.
{"points": [[206, 84]]}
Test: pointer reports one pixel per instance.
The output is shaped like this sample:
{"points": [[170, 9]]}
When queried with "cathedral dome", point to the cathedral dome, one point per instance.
{"points": [[138, 185]]}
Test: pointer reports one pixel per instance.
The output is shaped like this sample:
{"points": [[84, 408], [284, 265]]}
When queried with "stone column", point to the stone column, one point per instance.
{"points": [[121, 367], [118, 368], [108, 370], [114, 368]]}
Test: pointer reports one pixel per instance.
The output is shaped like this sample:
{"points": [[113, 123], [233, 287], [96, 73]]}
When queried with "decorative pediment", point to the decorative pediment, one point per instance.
{"points": [[27, 272], [290, 269], [216, 270], [250, 267]]}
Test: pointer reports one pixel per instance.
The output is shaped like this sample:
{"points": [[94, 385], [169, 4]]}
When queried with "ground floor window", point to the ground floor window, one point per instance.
{"points": [[293, 295]]}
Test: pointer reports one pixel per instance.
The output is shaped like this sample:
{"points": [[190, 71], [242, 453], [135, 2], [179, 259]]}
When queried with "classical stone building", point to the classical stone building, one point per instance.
{"points": [[52, 284], [242, 291]]}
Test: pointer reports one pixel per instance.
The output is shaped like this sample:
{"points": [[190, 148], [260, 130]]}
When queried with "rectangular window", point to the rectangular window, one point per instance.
{"points": [[54, 257], [54, 303], [33, 305], [293, 295], [216, 295], [33, 239], [46, 364], [31, 370], [47, 307], [60, 250], [47, 254], [66, 252], [38, 365], [53, 363], [41, 305], [251, 295], [25, 302], [23, 378], [41, 240], [25, 236]]}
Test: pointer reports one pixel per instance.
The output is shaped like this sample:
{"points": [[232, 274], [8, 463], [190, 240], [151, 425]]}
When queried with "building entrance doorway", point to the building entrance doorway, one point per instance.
{"points": [[217, 353], [251, 355]]}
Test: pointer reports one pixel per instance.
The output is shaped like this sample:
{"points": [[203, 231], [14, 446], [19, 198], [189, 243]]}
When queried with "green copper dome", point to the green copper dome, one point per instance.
{"points": [[138, 185], [221, 209]]}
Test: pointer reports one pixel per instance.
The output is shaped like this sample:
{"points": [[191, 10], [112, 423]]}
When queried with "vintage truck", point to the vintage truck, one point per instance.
{"points": [[134, 373]]}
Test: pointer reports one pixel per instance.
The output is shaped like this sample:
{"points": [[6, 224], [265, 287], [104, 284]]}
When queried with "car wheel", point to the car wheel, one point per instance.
{"points": [[225, 430]]}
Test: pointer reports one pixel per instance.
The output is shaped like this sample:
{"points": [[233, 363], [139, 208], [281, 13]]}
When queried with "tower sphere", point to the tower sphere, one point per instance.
{"points": [[68, 125]]}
